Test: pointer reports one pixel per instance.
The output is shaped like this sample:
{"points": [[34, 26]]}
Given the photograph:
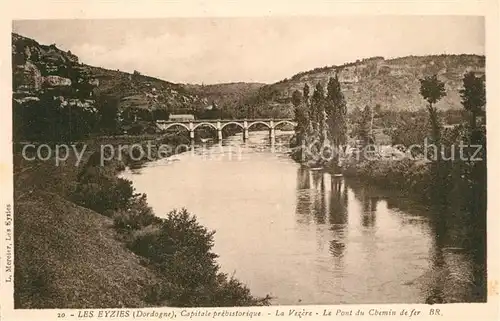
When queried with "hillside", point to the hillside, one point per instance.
{"points": [[68, 256], [143, 92], [56, 262], [38, 69], [227, 96], [393, 84]]}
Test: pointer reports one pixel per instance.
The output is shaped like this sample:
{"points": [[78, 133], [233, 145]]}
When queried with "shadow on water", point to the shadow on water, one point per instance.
{"points": [[369, 212], [303, 198], [455, 268], [337, 217], [320, 210], [456, 261]]}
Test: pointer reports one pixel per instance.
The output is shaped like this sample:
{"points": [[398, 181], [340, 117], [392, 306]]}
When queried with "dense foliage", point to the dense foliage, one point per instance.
{"points": [[321, 121]]}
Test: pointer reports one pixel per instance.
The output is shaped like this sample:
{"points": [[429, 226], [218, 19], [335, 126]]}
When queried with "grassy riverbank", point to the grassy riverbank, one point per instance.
{"points": [[85, 239]]}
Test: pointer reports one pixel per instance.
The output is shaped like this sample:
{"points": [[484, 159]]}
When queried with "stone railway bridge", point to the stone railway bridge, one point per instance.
{"points": [[219, 124]]}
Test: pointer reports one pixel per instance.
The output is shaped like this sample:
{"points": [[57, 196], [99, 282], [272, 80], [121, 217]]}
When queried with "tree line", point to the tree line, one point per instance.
{"points": [[321, 117]]}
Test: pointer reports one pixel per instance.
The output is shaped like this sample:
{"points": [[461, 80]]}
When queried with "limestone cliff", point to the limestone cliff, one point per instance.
{"points": [[39, 69], [391, 83]]}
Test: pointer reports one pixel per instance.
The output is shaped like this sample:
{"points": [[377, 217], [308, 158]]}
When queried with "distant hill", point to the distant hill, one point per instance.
{"points": [[393, 84], [140, 91], [228, 96]]}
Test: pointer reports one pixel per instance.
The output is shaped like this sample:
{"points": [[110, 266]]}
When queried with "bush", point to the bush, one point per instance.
{"points": [[136, 129], [231, 292], [100, 190], [406, 174], [104, 196], [181, 249], [179, 233], [138, 215]]}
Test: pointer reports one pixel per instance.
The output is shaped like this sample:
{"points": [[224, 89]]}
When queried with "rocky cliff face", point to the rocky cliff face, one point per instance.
{"points": [[393, 84], [40, 69]]}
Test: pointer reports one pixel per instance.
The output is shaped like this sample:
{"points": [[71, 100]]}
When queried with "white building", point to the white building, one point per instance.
{"points": [[181, 117]]}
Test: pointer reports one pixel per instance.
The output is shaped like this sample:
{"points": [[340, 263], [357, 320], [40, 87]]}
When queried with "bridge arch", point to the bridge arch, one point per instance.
{"points": [[258, 122], [285, 122], [231, 122], [204, 124], [175, 124]]}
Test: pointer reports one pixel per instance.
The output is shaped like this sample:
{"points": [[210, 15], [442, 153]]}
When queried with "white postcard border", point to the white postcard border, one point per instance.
{"points": [[148, 9]]}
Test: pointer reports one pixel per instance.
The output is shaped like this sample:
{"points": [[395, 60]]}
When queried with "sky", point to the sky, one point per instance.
{"points": [[256, 49]]}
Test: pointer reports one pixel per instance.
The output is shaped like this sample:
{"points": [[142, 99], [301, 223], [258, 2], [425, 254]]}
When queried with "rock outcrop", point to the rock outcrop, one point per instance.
{"points": [[393, 84], [40, 70]]}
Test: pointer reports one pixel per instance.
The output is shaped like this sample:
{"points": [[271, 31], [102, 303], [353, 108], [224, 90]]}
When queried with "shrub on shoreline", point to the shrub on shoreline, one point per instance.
{"points": [[180, 248], [137, 216]]}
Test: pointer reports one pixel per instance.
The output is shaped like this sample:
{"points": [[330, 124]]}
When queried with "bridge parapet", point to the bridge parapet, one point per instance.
{"points": [[226, 120]]}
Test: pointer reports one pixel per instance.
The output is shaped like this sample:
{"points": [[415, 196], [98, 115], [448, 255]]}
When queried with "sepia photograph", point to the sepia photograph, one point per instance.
{"points": [[249, 162]]}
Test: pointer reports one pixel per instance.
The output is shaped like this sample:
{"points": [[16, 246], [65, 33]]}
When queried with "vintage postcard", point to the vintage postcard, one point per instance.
{"points": [[310, 160]]}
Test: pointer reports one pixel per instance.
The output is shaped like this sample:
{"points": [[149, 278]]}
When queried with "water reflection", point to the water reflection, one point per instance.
{"points": [[319, 197], [436, 286], [451, 275], [303, 196], [384, 231], [338, 216]]}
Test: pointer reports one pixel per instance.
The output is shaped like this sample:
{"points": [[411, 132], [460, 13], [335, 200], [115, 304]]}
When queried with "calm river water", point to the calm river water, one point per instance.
{"points": [[305, 237]]}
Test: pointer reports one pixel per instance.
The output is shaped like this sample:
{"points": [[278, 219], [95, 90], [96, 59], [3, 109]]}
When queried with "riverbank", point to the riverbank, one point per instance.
{"points": [[85, 239]]}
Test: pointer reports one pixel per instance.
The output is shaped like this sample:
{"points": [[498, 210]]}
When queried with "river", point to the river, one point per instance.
{"points": [[305, 237]]}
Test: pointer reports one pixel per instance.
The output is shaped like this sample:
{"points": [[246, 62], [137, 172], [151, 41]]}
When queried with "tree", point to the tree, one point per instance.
{"points": [[473, 96], [474, 100], [306, 91], [362, 129], [318, 108], [296, 98], [336, 112], [108, 113], [301, 116], [410, 128], [432, 90], [307, 106]]}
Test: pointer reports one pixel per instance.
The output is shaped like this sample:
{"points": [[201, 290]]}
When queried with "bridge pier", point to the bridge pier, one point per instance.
{"points": [[191, 136], [272, 133], [245, 130], [219, 132], [191, 132]]}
